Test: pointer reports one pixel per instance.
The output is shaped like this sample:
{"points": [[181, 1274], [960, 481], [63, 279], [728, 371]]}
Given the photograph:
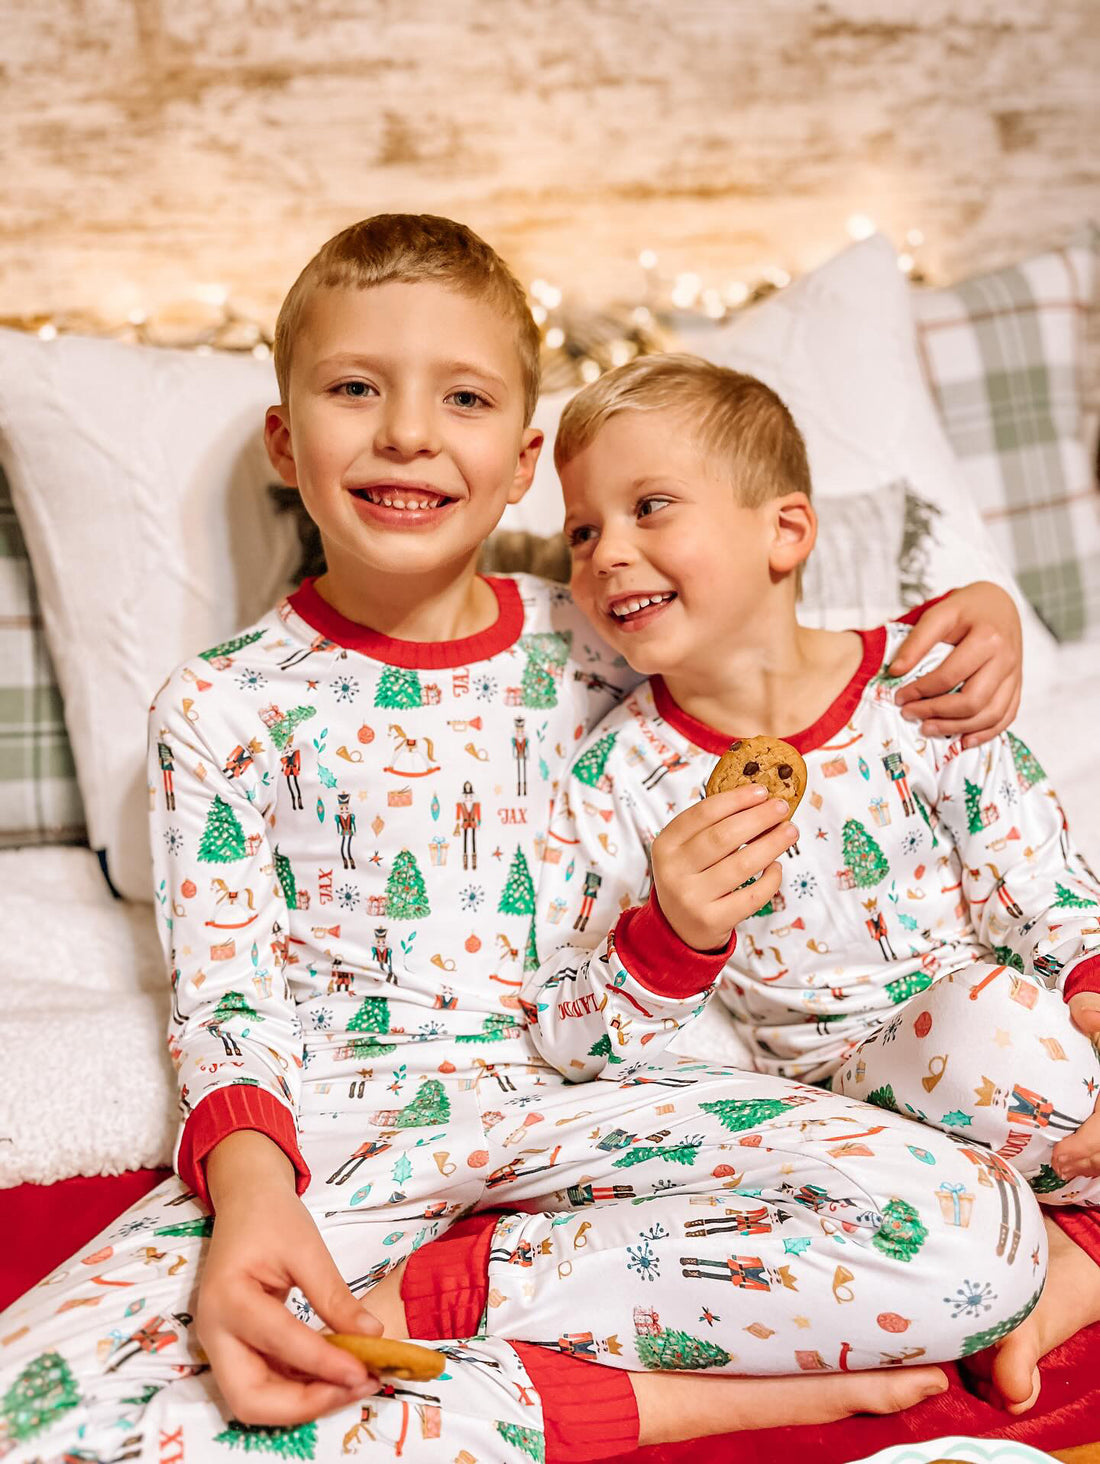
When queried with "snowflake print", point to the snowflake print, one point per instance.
{"points": [[470, 899], [133, 1227], [347, 897], [251, 680], [299, 1306], [174, 840], [803, 885], [1008, 791], [485, 687], [322, 1019], [971, 1298], [912, 841], [655, 1232], [643, 1260], [345, 689], [428, 1030]]}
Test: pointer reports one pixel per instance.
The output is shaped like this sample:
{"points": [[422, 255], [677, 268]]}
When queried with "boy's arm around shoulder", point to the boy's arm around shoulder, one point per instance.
{"points": [[615, 981], [233, 1034]]}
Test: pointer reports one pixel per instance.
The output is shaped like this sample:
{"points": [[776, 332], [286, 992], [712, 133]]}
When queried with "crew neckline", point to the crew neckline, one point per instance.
{"points": [[837, 715], [319, 615]]}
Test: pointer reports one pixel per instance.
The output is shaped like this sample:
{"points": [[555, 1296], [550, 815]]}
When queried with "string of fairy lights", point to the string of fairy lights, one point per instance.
{"points": [[579, 343]]}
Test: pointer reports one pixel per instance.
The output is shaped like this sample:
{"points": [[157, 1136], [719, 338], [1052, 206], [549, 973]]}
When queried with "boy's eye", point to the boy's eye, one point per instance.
{"points": [[355, 389], [649, 506], [466, 398], [582, 535]]}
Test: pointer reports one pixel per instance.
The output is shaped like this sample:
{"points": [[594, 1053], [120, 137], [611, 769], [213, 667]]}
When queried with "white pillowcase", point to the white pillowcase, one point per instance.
{"points": [[839, 347], [140, 481]]}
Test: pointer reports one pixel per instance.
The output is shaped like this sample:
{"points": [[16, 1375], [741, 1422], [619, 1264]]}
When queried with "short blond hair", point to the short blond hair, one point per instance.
{"points": [[738, 420], [403, 249]]}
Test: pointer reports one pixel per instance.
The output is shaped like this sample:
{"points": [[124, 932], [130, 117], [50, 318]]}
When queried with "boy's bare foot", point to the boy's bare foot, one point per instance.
{"points": [[1007, 1374], [675, 1406]]}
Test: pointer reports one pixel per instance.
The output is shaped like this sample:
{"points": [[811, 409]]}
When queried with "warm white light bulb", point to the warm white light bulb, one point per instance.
{"points": [[555, 337], [860, 226], [648, 259], [906, 263], [590, 371]]}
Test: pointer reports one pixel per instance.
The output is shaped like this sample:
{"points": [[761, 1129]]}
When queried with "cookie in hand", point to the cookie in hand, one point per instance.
{"points": [[768, 761]]}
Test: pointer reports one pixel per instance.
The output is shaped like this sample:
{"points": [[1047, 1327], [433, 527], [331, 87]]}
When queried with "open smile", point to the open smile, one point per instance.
{"points": [[632, 612], [406, 498]]}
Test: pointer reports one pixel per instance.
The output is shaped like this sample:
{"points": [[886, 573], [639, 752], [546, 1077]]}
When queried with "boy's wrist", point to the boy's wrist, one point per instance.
{"points": [[246, 1163]]}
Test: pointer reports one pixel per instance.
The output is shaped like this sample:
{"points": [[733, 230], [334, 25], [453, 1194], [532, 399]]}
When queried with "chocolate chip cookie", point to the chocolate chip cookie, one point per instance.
{"points": [[768, 761]]}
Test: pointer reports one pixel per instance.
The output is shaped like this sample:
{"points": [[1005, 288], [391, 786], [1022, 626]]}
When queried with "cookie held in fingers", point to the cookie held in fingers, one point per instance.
{"points": [[767, 761], [390, 1355]]}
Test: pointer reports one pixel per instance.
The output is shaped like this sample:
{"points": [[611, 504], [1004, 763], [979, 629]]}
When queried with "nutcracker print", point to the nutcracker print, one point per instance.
{"points": [[467, 823], [167, 768], [318, 644], [291, 763], [592, 882], [382, 952], [670, 764], [876, 926], [519, 752], [345, 823], [899, 776]]}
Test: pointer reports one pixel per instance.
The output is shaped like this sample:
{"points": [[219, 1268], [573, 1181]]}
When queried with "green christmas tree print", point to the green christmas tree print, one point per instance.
{"points": [[531, 950], [203, 1226], [1066, 899], [884, 1098], [863, 856], [974, 823], [602, 1048], [673, 1154], [590, 765], [494, 1028], [42, 1392], [981, 1340], [373, 1017], [903, 987], [230, 647], [406, 894], [431, 1106], [1046, 1182], [398, 688], [531, 1441], [546, 653], [901, 1234], [1004, 956], [287, 883], [768, 909], [289, 1443], [223, 838], [233, 1004], [518, 895], [1028, 769], [919, 801], [736, 1114], [283, 730], [669, 1350]]}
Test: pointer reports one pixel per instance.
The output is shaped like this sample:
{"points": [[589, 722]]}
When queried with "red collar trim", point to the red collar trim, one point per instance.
{"points": [[836, 716], [319, 615]]}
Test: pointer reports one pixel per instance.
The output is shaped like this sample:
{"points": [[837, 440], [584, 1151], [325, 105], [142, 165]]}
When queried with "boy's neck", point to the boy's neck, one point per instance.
{"points": [[775, 681], [445, 605]]}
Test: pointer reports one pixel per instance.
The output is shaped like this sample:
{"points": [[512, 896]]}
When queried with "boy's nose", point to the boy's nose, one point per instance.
{"points": [[406, 429], [612, 552]]}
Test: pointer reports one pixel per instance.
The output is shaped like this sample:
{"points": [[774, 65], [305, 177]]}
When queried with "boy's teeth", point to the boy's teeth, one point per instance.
{"points": [[631, 607], [389, 501]]}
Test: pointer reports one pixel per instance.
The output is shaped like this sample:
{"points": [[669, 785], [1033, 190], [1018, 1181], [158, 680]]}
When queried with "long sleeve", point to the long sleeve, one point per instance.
{"points": [[1032, 899], [615, 981], [234, 1035]]}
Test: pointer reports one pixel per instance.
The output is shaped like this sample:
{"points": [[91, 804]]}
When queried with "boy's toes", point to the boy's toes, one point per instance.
{"points": [[1007, 1375]]}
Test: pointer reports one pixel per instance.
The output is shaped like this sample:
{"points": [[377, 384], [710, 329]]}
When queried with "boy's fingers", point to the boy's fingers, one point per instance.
{"points": [[971, 698], [266, 1326], [758, 893], [258, 1394], [714, 843], [710, 811], [942, 679], [728, 876], [956, 721], [934, 625]]}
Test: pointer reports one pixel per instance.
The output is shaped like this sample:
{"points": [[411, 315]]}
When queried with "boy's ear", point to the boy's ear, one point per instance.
{"points": [[794, 532], [277, 442], [530, 447]]}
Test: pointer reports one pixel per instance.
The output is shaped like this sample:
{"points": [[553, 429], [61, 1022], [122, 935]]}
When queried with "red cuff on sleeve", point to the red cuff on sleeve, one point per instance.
{"points": [[446, 1281], [1085, 976], [588, 1410], [912, 616], [655, 955], [1082, 1226], [224, 1112]]}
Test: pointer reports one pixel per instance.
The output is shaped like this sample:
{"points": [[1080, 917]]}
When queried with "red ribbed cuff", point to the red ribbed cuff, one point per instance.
{"points": [[446, 1281], [1085, 976], [912, 616], [1082, 1227], [224, 1112], [588, 1411], [655, 955]]}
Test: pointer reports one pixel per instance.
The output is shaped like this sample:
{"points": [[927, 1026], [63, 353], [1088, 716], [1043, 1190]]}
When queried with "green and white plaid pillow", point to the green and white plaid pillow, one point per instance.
{"points": [[1003, 354], [39, 798]]}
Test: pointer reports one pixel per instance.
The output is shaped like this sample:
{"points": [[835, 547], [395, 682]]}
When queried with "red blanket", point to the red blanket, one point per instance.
{"points": [[42, 1225]]}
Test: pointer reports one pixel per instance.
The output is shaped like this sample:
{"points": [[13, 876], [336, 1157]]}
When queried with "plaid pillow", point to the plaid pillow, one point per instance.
{"points": [[39, 798], [1003, 355]]}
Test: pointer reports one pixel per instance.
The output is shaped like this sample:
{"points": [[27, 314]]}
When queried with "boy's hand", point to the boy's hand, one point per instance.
{"points": [[704, 856], [1079, 1153], [983, 623], [271, 1368]]}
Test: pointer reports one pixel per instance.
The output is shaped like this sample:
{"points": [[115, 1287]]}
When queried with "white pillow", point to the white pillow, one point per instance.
{"points": [[839, 347], [140, 481]]}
